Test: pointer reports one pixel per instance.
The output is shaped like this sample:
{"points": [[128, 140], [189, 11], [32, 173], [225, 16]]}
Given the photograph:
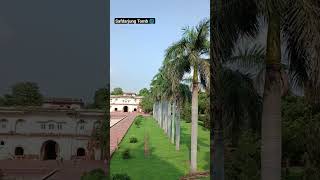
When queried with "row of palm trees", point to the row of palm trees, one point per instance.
{"points": [[167, 88], [231, 20]]}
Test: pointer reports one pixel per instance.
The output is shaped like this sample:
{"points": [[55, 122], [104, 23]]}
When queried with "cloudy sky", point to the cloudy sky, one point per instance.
{"points": [[61, 45]]}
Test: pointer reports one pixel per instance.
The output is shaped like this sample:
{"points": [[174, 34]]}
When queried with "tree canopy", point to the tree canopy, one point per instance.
{"points": [[23, 94], [117, 91]]}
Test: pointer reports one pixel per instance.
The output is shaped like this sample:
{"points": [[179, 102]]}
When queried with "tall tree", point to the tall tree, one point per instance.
{"points": [[100, 98], [24, 94], [117, 91], [144, 92], [189, 53]]}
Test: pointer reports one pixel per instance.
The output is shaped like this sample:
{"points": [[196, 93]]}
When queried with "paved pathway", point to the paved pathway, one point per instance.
{"points": [[118, 131], [36, 169]]}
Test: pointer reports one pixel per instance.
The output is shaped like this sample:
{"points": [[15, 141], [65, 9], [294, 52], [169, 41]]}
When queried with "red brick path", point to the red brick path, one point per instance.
{"points": [[36, 169], [118, 131]]}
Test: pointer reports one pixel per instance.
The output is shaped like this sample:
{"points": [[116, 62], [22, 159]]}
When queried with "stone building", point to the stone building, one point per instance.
{"points": [[128, 102], [59, 128]]}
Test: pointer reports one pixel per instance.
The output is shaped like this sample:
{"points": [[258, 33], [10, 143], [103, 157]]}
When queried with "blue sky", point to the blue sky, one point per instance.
{"points": [[137, 51]]}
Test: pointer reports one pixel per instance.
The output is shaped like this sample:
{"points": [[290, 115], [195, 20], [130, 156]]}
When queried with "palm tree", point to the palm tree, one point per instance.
{"points": [[188, 54], [301, 29], [179, 94]]}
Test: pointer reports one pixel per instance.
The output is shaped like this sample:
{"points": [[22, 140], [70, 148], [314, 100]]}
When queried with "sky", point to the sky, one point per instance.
{"points": [[137, 51], [61, 45]]}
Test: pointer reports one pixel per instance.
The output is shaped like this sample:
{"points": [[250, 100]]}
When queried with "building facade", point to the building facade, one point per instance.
{"points": [[128, 102], [58, 129]]}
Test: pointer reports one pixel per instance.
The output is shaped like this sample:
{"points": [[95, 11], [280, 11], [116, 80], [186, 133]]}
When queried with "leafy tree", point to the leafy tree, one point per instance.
{"points": [[24, 94], [117, 91], [203, 102], [147, 103], [100, 98], [243, 162], [2, 101], [144, 92], [186, 112]]}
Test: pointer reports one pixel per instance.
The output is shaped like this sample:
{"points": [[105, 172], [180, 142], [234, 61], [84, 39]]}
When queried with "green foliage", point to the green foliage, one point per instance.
{"points": [[2, 101], [147, 103], [117, 91], [301, 133], [186, 112], [126, 154], [133, 140], [24, 94], [144, 92], [122, 176], [138, 121], [204, 106], [294, 118], [243, 162], [203, 102], [101, 98], [96, 174]]}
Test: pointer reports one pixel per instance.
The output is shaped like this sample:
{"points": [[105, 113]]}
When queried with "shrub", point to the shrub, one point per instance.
{"points": [[137, 122], [186, 112], [96, 174], [133, 140], [243, 161], [121, 177], [126, 154]]}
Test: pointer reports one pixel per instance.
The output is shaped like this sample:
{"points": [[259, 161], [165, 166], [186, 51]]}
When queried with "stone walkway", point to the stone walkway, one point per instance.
{"points": [[118, 131], [36, 169]]}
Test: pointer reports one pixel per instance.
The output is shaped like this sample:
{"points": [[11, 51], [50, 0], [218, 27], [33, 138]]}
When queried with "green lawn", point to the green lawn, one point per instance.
{"points": [[164, 163]]}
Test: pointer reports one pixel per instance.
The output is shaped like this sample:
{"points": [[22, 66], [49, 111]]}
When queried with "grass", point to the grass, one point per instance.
{"points": [[164, 161]]}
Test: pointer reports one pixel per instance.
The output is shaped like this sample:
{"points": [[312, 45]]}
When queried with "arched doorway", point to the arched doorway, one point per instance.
{"points": [[125, 109], [81, 152], [49, 150], [135, 109], [18, 151]]}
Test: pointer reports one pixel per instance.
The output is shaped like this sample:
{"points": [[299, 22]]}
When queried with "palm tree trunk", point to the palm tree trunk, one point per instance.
{"points": [[194, 121], [153, 110], [218, 145], [173, 119], [271, 115], [178, 126], [161, 114], [170, 119]]}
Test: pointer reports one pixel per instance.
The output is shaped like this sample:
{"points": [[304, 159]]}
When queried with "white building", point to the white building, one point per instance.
{"points": [[128, 102], [60, 128]]}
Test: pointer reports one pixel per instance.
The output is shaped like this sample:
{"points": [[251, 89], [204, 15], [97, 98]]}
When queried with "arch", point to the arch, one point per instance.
{"points": [[19, 125], [81, 152], [18, 151], [135, 109], [115, 109], [3, 123], [125, 108], [49, 150]]}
